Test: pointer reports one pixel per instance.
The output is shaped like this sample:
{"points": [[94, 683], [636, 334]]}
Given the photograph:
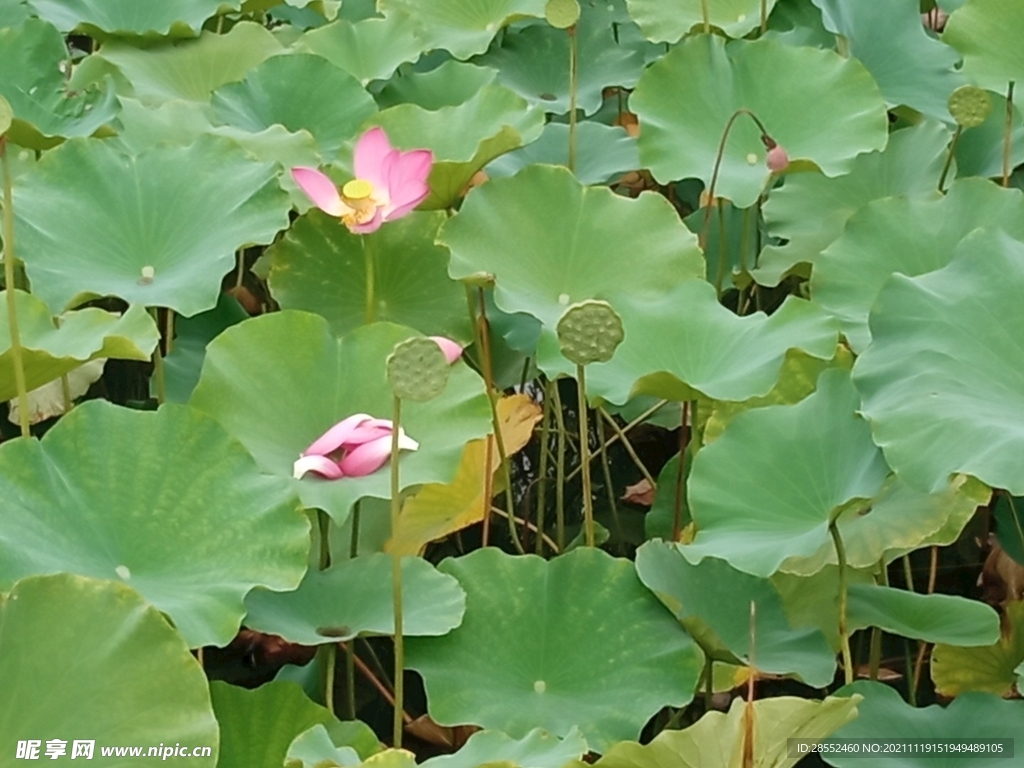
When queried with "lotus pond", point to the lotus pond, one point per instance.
{"points": [[531, 383]]}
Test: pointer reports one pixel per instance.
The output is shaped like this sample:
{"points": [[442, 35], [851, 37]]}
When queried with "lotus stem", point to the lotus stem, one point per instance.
{"points": [[560, 478], [764, 16], [158, 363], [573, 86], [12, 305], [350, 669], [542, 472], [630, 451], [330, 663], [922, 648], [396, 578], [371, 312], [606, 469], [677, 507], [1008, 136], [588, 502], [620, 434], [949, 158], [844, 635], [706, 14]]}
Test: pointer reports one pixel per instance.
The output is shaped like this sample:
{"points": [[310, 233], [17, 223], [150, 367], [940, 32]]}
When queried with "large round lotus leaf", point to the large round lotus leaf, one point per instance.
{"points": [[33, 58], [464, 27], [684, 342], [1009, 516], [909, 65], [665, 21], [371, 48], [712, 600], [884, 713], [184, 17], [810, 210], [83, 659], [49, 352], [901, 519], [779, 84], [932, 618], [13, 13], [534, 60], [256, 727], [810, 601], [716, 740], [91, 220], [910, 237], [288, 91], [987, 32], [189, 70], [346, 742], [537, 749], [279, 381], [463, 138], [941, 380], [979, 152], [551, 242], [993, 669], [354, 597], [603, 153], [769, 486], [568, 641], [164, 501], [448, 85], [320, 266]]}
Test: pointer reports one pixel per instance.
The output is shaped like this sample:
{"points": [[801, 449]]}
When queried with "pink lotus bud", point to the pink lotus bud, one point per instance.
{"points": [[777, 159]]}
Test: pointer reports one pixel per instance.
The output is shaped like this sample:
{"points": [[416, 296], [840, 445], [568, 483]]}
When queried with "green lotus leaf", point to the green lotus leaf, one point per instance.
{"points": [[666, 21], [288, 91], [810, 601], [91, 220], [991, 669], [883, 712], [985, 32], [129, 680], [795, 22], [537, 749], [448, 85], [551, 242], [603, 153], [463, 138], [979, 152], [354, 597], [279, 381], [909, 66], [932, 618], [34, 58], [567, 642], [900, 520], [684, 342], [189, 70], [320, 266], [1009, 516], [712, 600], [716, 740], [909, 237], [50, 352], [534, 60], [768, 488], [810, 210], [940, 381], [779, 84], [182, 17], [166, 502], [314, 748], [257, 727], [371, 48], [13, 13], [185, 360], [463, 27]]}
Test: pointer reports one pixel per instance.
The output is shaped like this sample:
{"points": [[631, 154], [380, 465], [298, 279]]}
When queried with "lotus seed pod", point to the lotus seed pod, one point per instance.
{"points": [[589, 332], [970, 105], [417, 370], [562, 14], [777, 159]]}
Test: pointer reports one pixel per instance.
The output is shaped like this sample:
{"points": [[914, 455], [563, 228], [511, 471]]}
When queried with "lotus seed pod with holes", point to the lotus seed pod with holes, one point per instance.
{"points": [[562, 14], [970, 105], [589, 332], [417, 370], [6, 116]]}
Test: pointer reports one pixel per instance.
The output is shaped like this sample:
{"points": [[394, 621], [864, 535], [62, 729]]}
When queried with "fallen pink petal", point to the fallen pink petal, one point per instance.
{"points": [[452, 349], [356, 446], [389, 184]]}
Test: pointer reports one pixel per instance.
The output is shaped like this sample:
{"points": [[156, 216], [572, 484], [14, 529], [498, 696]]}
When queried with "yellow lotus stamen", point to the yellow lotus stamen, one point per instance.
{"points": [[357, 189]]}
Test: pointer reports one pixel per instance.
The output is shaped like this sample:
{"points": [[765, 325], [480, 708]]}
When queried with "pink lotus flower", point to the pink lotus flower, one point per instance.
{"points": [[354, 447], [388, 184]]}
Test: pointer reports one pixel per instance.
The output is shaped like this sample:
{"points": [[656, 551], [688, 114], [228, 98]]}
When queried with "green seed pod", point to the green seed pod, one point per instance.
{"points": [[417, 370], [562, 14], [589, 332], [970, 105]]}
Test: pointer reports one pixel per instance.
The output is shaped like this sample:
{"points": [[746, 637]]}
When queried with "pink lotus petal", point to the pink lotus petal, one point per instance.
{"points": [[367, 458], [319, 464], [320, 189], [371, 226], [452, 349], [407, 181], [371, 150], [368, 431], [335, 437]]}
